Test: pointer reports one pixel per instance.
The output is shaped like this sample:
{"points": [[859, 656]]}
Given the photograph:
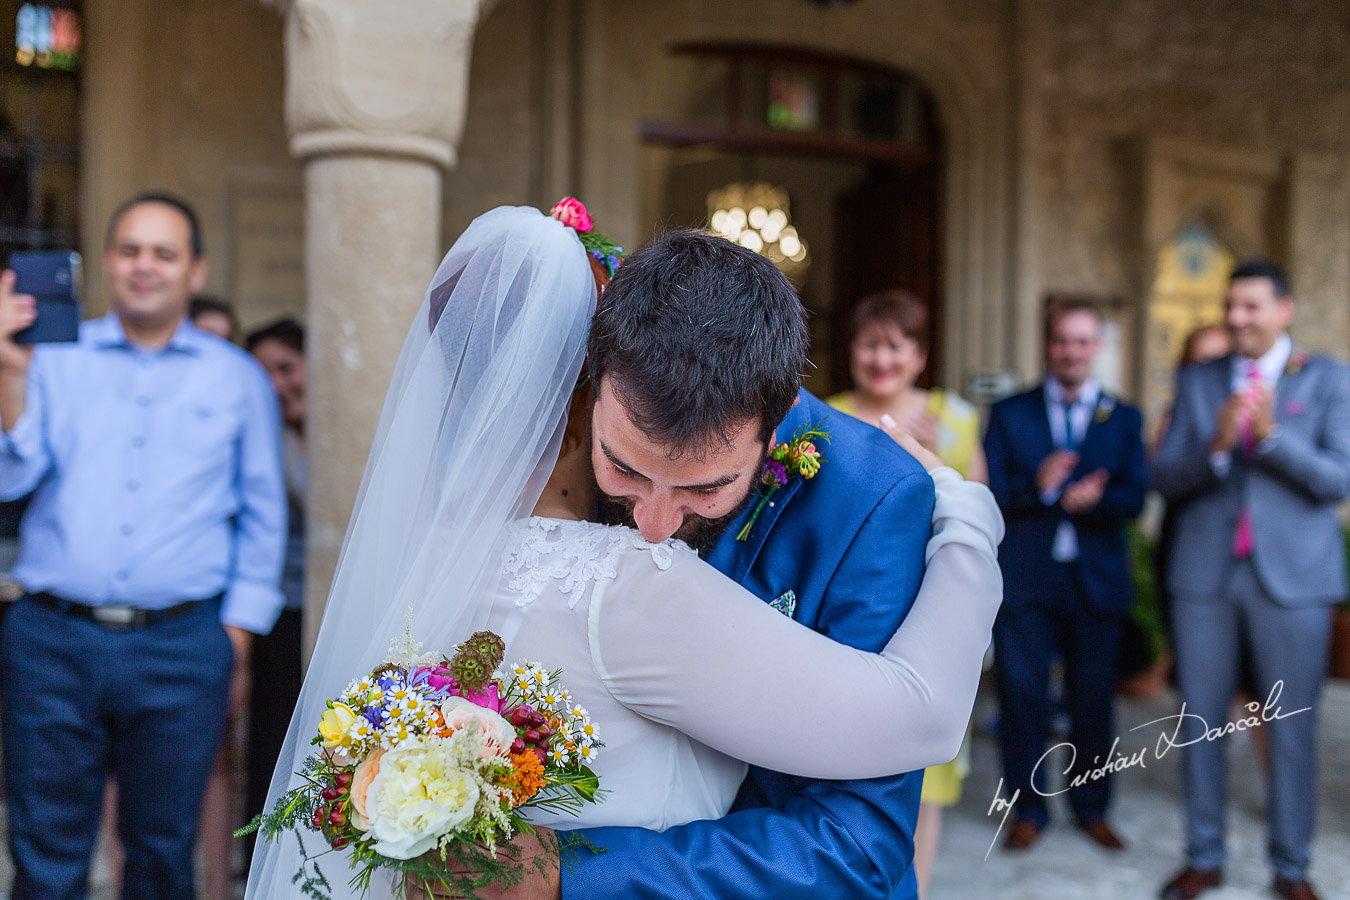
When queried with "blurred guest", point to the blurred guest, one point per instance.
{"points": [[888, 349], [150, 555], [1258, 451], [280, 348], [1205, 344], [214, 316], [1066, 462]]}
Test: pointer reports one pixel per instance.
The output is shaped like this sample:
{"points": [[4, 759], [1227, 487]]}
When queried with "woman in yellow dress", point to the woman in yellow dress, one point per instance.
{"points": [[888, 349]]}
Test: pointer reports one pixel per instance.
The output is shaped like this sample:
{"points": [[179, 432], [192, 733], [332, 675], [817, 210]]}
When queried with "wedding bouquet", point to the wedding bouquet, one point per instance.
{"points": [[427, 765]]}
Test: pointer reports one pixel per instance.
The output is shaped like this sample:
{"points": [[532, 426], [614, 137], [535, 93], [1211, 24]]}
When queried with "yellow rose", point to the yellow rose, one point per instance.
{"points": [[334, 724]]}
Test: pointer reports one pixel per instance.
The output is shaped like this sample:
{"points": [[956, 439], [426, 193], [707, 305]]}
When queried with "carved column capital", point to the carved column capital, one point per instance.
{"points": [[382, 79]]}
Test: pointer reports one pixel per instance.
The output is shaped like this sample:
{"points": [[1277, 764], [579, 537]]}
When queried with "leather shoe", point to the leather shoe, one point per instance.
{"points": [[1191, 883], [1102, 834], [1293, 888], [1022, 834]]}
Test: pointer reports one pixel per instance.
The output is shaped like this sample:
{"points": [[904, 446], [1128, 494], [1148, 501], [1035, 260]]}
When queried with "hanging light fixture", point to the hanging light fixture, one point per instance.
{"points": [[757, 216]]}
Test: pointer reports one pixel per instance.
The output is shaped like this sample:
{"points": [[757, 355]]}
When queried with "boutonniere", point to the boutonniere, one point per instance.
{"points": [[1106, 404], [1297, 360], [798, 456]]}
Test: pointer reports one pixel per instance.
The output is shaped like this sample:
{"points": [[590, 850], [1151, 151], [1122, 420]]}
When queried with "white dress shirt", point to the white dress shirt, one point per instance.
{"points": [[1068, 427]]}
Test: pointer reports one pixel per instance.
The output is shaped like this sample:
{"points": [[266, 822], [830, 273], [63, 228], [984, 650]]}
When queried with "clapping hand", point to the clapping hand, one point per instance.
{"points": [[1261, 406], [1253, 407], [927, 458], [1055, 469], [923, 425], [1085, 493]]}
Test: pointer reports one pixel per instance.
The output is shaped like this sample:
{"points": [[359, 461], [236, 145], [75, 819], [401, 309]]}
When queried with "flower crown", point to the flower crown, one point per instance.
{"points": [[572, 212]]}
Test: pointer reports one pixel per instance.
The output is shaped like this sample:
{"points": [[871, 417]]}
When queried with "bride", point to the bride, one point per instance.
{"points": [[473, 513]]}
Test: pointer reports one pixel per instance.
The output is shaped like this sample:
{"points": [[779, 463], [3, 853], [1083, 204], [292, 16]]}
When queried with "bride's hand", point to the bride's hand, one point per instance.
{"points": [[927, 458], [535, 885]]}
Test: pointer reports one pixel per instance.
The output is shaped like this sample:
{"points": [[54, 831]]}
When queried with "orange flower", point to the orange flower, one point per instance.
{"points": [[526, 778]]}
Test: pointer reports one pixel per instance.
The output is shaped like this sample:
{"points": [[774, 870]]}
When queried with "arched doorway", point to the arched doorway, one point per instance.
{"points": [[854, 148]]}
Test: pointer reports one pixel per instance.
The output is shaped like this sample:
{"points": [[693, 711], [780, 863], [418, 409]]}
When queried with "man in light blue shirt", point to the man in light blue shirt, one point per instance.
{"points": [[150, 555]]}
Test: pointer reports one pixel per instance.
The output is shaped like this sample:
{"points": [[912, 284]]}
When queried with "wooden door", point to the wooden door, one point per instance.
{"points": [[886, 236]]}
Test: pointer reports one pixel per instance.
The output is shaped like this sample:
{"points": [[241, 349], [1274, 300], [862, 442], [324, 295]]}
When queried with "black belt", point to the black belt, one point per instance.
{"points": [[116, 615]]}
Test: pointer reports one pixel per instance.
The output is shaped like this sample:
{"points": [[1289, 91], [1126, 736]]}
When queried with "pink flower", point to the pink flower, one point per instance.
{"points": [[497, 733], [439, 678], [572, 212], [486, 698]]}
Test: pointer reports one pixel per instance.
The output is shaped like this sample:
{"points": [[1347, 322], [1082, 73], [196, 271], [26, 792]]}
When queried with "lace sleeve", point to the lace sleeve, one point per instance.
{"points": [[690, 648]]}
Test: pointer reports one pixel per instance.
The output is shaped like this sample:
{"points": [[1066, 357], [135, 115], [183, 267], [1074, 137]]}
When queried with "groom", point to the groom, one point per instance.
{"points": [[695, 357]]}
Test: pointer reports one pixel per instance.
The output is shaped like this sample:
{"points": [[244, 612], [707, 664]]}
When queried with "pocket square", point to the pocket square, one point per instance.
{"points": [[1294, 408], [785, 603]]}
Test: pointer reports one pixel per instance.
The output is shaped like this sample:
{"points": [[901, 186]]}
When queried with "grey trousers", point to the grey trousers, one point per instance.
{"points": [[1289, 647]]}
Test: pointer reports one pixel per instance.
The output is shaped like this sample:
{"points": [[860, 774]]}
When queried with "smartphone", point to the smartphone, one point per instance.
{"points": [[53, 278]]}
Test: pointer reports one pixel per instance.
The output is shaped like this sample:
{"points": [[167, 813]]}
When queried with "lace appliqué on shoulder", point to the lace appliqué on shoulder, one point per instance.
{"points": [[574, 554], [663, 553]]}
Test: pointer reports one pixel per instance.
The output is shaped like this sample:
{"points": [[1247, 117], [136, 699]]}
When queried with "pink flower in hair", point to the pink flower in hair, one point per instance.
{"points": [[572, 212]]}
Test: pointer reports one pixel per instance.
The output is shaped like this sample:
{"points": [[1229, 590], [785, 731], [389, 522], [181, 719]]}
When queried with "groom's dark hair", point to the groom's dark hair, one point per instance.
{"points": [[696, 336]]}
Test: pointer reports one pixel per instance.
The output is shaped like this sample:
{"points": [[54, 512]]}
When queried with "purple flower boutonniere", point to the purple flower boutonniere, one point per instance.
{"points": [[798, 456], [1297, 360]]}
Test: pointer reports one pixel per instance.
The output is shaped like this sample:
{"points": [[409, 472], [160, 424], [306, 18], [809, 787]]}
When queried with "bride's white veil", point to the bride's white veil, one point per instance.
{"points": [[469, 434]]}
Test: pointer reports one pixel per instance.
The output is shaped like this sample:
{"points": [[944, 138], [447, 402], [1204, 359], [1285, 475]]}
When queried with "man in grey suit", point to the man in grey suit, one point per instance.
{"points": [[1256, 458]]}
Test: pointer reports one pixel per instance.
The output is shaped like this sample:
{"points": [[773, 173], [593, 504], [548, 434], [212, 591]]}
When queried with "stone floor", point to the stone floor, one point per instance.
{"points": [[1065, 866], [1147, 814]]}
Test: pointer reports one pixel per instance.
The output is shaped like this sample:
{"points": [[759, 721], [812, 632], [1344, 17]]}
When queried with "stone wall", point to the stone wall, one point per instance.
{"points": [[1155, 114], [186, 96]]}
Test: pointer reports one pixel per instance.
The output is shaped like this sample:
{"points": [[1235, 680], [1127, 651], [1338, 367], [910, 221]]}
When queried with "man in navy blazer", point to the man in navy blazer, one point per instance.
{"points": [[1066, 464]]}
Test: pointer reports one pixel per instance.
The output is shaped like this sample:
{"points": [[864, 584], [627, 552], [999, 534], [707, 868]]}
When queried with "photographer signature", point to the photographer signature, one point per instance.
{"points": [[1260, 714]]}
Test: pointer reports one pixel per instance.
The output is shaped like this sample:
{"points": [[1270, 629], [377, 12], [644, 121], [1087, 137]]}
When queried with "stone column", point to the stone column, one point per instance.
{"points": [[375, 102]]}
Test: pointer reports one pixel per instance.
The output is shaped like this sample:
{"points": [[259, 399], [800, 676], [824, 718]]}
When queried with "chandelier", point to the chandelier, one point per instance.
{"points": [[757, 216]]}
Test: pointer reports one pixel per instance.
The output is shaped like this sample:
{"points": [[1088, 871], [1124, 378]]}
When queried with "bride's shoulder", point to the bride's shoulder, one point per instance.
{"points": [[538, 550]]}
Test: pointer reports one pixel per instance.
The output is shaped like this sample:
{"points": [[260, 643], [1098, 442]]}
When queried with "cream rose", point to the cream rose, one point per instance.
{"points": [[417, 797], [498, 734]]}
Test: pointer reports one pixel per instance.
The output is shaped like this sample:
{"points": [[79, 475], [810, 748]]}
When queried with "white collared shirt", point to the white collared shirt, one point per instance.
{"points": [[1270, 366], [1080, 413], [1062, 426]]}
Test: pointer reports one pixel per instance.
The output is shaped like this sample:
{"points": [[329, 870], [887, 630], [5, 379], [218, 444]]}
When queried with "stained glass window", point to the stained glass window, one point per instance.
{"points": [[47, 38]]}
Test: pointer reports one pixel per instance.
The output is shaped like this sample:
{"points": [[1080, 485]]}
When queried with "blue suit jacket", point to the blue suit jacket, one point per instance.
{"points": [[1017, 440], [849, 543]]}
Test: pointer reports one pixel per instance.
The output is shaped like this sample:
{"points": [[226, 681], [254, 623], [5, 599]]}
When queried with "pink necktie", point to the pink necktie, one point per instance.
{"points": [[1243, 538]]}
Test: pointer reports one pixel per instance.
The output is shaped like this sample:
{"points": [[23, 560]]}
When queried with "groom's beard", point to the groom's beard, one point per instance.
{"points": [[698, 532]]}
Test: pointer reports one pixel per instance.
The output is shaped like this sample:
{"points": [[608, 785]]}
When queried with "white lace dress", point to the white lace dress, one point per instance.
{"points": [[673, 659]]}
